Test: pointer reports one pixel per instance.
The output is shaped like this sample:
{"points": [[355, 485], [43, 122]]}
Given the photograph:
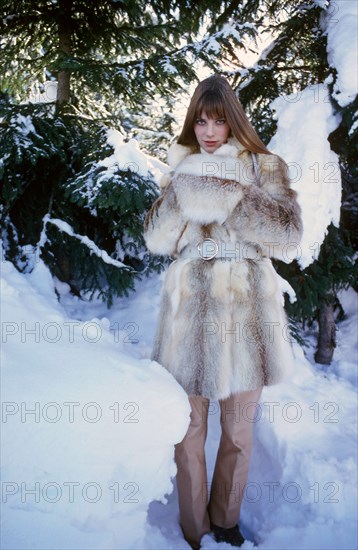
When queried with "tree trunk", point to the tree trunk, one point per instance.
{"points": [[64, 35], [326, 335], [63, 96]]}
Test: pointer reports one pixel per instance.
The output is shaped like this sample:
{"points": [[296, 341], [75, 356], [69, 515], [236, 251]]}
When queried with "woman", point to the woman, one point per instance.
{"points": [[226, 209]]}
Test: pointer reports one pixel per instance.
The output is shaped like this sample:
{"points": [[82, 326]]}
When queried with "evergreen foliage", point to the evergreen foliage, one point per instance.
{"points": [[334, 270], [122, 65], [56, 158], [295, 60], [135, 49], [110, 61]]}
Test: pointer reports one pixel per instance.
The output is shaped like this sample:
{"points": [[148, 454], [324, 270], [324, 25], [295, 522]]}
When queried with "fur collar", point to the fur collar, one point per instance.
{"points": [[177, 153], [208, 186], [225, 163]]}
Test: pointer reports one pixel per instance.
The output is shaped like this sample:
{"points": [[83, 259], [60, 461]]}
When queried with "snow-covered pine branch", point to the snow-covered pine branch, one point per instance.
{"points": [[94, 249]]}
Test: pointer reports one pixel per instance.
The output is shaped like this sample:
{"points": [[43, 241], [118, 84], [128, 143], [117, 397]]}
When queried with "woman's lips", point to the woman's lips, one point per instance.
{"points": [[209, 143]]}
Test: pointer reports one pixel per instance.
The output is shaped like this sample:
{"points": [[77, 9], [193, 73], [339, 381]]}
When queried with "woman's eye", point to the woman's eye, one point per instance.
{"points": [[200, 121], [221, 121]]}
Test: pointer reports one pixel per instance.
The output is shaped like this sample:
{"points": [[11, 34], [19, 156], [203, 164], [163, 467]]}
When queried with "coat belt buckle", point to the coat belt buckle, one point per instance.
{"points": [[207, 248]]}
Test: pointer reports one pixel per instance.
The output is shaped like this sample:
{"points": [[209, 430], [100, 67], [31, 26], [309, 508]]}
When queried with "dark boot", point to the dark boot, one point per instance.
{"points": [[194, 545], [231, 536]]}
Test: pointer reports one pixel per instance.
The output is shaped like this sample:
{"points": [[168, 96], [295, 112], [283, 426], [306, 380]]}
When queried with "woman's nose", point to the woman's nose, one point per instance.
{"points": [[209, 129]]}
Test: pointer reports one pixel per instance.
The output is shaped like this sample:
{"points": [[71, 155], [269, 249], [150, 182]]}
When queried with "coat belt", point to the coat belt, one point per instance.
{"points": [[209, 249]]}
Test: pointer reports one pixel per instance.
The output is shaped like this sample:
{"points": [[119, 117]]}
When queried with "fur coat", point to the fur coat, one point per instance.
{"points": [[222, 327]]}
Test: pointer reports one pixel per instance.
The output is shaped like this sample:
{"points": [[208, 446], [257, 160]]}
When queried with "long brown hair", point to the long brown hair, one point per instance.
{"points": [[215, 96]]}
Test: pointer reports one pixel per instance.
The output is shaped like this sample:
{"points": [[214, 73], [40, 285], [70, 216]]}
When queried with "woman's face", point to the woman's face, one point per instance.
{"points": [[211, 133]]}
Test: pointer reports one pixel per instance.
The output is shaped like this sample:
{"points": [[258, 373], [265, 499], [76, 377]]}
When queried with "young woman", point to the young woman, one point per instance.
{"points": [[222, 333]]}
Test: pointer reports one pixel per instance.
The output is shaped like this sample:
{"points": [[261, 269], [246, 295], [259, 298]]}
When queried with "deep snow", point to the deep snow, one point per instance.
{"points": [[91, 466]]}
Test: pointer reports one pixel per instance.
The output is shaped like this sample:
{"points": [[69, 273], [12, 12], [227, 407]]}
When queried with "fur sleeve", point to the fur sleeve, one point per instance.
{"points": [[164, 224], [268, 213]]}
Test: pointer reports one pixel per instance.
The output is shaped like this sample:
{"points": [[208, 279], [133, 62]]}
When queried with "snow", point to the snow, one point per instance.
{"points": [[340, 23], [89, 422], [168, 66], [305, 120], [209, 43], [314, 167], [88, 431], [89, 425], [126, 156], [66, 228], [44, 93], [24, 124]]}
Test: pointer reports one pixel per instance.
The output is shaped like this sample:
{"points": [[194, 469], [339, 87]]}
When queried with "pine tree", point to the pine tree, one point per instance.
{"points": [[297, 59], [109, 62]]}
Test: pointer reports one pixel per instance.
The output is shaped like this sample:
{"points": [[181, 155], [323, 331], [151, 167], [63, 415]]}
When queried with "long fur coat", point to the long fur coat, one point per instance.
{"points": [[222, 328]]}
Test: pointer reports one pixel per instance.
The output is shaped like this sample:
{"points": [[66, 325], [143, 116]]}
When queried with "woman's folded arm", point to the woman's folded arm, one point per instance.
{"points": [[268, 213], [164, 224]]}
